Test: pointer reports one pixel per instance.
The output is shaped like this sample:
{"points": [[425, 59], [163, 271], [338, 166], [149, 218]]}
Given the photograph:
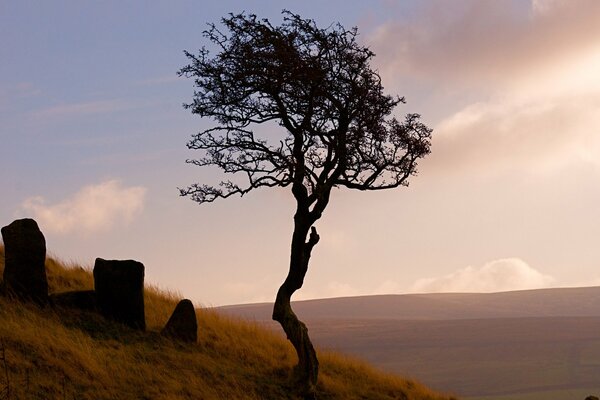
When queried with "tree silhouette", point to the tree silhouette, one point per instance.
{"points": [[316, 84]]}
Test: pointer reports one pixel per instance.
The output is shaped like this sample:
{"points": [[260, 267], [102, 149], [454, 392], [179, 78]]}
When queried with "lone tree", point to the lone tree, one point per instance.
{"points": [[318, 85]]}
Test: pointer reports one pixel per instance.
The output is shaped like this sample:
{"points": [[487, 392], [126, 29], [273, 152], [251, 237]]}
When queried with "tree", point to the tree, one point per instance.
{"points": [[318, 85]]}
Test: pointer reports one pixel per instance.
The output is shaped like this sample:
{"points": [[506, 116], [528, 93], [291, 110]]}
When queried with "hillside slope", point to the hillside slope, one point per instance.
{"points": [[64, 354]]}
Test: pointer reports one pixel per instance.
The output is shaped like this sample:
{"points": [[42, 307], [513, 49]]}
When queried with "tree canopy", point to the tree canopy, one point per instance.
{"points": [[317, 84]]}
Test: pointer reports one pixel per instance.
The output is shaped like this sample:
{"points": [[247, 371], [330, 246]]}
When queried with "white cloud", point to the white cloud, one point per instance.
{"points": [[495, 276], [489, 44], [93, 208], [539, 134], [532, 77]]}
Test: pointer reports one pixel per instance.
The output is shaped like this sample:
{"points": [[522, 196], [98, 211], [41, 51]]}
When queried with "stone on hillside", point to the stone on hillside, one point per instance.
{"points": [[24, 258], [81, 299], [119, 286], [183, 324]]}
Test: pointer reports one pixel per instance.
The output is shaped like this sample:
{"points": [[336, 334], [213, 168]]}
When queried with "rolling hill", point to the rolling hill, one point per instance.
{"points": [[562, 302], [537, 343]]}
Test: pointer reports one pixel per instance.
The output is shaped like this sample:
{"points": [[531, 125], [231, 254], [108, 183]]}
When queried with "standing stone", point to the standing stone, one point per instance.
{"points": [[183, 324], [24, 258], [119, 286]]}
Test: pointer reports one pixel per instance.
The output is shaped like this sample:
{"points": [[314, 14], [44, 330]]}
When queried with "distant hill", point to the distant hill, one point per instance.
{"points": [[563, 302], [534, 344], [56, 353]]}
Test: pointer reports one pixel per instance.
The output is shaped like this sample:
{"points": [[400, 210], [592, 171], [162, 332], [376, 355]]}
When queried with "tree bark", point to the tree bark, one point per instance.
{"points": [[307, 369]]}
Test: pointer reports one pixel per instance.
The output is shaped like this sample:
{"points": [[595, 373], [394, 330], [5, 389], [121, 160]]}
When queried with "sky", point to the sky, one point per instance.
{"points": [[93, 146]]}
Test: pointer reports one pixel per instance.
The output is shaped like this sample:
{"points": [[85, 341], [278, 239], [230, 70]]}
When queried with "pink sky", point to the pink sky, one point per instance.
{"points": [[94, 136]]}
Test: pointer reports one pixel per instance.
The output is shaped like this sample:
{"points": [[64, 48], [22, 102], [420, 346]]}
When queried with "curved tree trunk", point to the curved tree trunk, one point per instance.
{"points": [[307, 370]]}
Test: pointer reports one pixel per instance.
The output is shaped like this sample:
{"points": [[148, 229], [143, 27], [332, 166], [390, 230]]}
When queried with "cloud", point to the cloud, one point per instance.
{"points": [[485, 43], [542, 134], [94, 208], [531, 74], [495, 276]]}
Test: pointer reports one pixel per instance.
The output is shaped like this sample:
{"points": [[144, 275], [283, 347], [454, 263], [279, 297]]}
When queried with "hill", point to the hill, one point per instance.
{"points": [[535, 344], [51, 353], [561, 302]]}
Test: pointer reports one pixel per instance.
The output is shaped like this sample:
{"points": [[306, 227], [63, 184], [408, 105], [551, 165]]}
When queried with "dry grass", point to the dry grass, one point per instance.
{"points": [[67, 354]]}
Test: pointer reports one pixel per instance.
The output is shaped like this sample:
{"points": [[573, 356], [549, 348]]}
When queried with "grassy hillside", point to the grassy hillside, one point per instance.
{"points": [[65, 354]]}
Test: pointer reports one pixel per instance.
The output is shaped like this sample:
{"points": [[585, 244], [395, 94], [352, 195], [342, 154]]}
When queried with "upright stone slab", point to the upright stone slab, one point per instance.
{"points": [[119, 286], [24, 258], [183, 324]]}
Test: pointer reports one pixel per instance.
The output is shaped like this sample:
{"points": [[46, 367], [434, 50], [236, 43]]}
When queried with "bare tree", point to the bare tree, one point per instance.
{"points": [[318, 85]]}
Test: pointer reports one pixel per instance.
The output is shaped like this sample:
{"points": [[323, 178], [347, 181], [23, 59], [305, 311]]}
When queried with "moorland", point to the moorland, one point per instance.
{"points": [[520, 345]]}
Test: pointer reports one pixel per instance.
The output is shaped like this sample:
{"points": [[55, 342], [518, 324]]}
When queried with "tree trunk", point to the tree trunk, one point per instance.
{"points": [[307, 370]]}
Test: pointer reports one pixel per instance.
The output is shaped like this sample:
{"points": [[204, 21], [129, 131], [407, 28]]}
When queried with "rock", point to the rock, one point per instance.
{"points": [[592, 398], [183, 324], [82, 300], [119, 286], [24, 258]]}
